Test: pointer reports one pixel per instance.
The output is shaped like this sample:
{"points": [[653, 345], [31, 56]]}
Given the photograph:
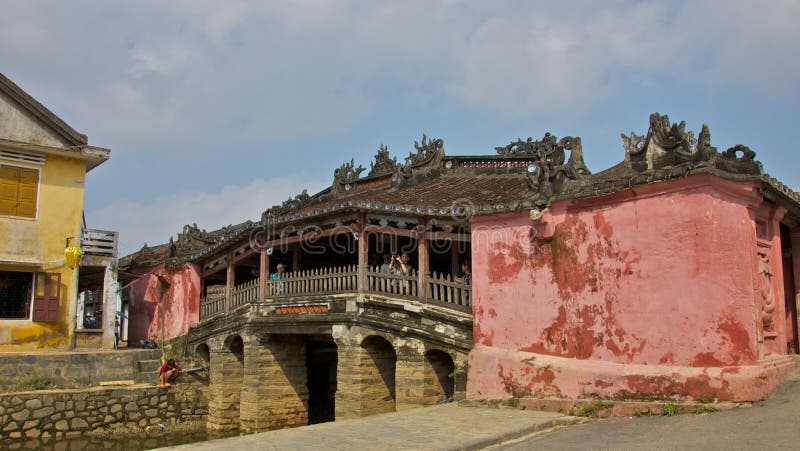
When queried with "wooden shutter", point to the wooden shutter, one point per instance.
{"points": [[28, 190], [19, 189], [9, 189], [47, 290]]}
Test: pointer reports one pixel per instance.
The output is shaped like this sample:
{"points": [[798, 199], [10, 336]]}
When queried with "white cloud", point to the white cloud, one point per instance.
{"points": [[156, 221], [171, 74]]}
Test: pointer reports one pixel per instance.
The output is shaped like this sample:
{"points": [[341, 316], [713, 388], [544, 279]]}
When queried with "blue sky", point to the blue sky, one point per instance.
{"points": [[215, 111]]}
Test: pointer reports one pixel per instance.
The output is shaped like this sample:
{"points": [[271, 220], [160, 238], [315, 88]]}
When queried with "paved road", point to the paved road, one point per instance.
{"points": [[770, 424], [441, 427]]}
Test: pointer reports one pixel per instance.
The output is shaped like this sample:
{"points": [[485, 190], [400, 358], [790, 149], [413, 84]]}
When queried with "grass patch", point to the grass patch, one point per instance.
{"points": [[699, 410], [591, 409], [33, 382]]}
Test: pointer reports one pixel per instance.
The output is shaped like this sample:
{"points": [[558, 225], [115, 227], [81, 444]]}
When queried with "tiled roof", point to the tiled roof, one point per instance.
{"points": [[442, 192]]}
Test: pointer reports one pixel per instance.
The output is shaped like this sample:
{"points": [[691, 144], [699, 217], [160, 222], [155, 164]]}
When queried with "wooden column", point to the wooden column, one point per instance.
{"points": [[423, 264], [230, 282], [363, 243], [263, 274], [454, 263], [296, 257]]}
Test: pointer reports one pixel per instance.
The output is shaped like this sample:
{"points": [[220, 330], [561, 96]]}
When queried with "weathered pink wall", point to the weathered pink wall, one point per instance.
{"points": [[649, 292], [181, 303]]}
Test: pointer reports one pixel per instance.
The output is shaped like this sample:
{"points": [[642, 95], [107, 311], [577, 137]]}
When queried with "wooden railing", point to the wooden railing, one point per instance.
{"points": [[244, 293], [442, 289], [395, 284], [341, 279], [212, 303], [99, 242]]}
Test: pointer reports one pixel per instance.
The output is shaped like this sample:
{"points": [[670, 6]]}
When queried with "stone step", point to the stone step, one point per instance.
{"points": [[149, 366]]}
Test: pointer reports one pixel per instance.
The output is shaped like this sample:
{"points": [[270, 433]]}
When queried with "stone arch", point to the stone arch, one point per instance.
{"points": [[439, 373], [203, 353], [379, 365], [235, 345], [225, 384]]}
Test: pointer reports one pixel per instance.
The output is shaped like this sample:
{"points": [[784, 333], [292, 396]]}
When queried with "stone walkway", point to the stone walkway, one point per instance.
{"points": [[445, 427]]}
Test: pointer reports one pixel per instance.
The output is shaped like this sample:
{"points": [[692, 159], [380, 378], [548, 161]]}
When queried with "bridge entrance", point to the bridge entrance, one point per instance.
{"points": [[321, 364]]}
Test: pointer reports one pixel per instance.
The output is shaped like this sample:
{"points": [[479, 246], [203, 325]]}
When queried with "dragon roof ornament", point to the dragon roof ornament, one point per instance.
{"points": [[549, 168], [344, 176], [383, 165], [669, 144]]}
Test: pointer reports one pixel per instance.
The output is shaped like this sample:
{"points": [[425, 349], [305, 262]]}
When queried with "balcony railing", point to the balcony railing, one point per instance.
{"points": [[395, 285], [342, 279], [441, 290], [99, 242], [213, 303]]}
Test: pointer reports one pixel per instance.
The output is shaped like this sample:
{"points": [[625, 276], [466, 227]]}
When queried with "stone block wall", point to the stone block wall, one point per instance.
{"points": [[59, 413], [70, 369], [275, 391], [225, 388]]}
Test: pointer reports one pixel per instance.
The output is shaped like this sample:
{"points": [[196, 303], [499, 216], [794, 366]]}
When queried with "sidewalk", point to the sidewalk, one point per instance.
{"points": [[445, 427]]}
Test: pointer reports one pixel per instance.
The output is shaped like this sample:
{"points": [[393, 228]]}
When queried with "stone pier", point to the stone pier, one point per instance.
{"points": [[275, 391]]}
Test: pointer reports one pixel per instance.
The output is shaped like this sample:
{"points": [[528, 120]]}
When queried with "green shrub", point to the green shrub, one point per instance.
{"points": [[669, 410]]}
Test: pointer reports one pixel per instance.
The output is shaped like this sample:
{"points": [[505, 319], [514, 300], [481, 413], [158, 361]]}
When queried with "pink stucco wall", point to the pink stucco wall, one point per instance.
{"points": [[180, 302], [647, 293]]}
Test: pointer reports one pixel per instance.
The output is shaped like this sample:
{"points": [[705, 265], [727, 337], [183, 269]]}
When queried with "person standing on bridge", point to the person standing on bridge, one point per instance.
{"points": [[276, 277]]}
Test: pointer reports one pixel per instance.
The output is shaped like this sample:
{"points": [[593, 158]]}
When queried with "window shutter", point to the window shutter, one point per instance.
{"points": [[9, 190], [47, 291], [28, 190]]}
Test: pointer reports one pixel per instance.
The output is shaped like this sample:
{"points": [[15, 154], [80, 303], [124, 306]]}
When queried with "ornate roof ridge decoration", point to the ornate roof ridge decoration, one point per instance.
{"points": [[192, 239], [668, 145], [428, 157], [291, 204], [383, 165], [427, 152], [344, 176], [548, 170]]}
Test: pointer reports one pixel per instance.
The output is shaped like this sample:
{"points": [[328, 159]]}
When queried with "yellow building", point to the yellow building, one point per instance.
{"points": [[43, 166]]}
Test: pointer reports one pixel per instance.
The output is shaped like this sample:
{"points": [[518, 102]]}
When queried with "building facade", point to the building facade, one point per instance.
{"points": [[43, 166]]}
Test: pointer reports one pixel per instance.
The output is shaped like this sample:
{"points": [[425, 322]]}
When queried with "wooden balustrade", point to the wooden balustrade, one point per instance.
{"points": [[341, 279], [213, 303], [442, 289], [395, 284], [244, 293]]}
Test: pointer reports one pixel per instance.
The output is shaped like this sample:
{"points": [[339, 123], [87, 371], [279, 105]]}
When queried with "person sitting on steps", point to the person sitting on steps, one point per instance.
{"points": [[168, 372]]}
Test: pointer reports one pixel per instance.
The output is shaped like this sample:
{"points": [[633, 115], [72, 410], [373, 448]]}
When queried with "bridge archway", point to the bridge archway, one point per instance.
{"points": [[439, 373], [203, 352], [225, 384]]}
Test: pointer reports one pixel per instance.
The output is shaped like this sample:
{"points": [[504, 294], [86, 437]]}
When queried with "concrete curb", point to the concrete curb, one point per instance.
{"points": [[498, 439]]}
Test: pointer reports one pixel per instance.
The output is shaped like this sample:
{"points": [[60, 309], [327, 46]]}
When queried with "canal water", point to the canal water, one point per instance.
{"points": [[115, 443]]}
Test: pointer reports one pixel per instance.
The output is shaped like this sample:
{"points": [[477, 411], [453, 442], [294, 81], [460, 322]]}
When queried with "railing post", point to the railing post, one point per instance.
{"points": [[230, 281], [422, 253], [263, 275], [362, 253]]}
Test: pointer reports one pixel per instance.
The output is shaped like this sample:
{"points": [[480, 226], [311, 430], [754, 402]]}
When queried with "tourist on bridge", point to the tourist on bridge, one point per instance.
{"points": [[276, 278], [466, 273], [168, 372], [400, 265]]}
